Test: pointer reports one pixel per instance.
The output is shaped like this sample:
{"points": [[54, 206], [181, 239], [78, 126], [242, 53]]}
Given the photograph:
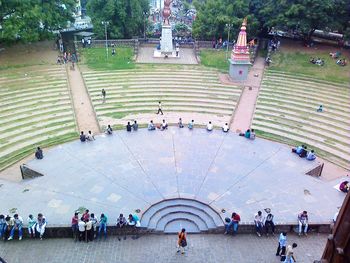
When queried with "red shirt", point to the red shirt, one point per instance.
{"points": [[236, 218], [75, 220], [86, 217]]}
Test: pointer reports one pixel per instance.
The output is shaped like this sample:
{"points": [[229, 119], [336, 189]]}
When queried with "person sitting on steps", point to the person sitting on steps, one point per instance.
{"points": [[210, 126], [151, 126], [311, 155], [39, 153]]}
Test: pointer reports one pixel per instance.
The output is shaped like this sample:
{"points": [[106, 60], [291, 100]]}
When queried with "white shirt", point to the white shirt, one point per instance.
{"points": [[209, 127], [225, 128], [164, 124], [160, 105], [89, 225], [81, 226]]}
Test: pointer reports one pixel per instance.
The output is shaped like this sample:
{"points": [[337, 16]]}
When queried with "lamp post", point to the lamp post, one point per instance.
{"points": [[229, 26], [106, 23]]}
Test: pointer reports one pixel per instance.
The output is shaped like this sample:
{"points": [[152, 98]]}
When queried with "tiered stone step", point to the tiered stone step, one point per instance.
{"points": [[180, 90], [171, 215], [35, 110], [286, 111]]}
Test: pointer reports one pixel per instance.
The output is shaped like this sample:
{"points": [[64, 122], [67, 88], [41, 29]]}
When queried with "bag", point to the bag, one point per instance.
{"points": [[183, 243]]}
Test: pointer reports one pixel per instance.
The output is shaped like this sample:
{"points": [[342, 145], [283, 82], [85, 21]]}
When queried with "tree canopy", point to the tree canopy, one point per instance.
{"points": [[32, 20], [304, 16], [126, 17]]}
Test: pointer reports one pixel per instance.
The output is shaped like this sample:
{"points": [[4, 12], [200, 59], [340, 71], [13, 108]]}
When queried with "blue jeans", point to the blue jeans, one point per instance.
{"points": [[104, 227], [233, 225], [2, 230], [19, 231], [259, 228]]}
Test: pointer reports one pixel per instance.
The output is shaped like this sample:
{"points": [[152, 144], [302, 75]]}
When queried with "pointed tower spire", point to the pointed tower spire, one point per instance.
{"points": [[240, 51]]}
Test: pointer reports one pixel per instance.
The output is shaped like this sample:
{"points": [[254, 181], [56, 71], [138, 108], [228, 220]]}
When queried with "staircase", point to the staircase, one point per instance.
{"points": [[171, 215]]}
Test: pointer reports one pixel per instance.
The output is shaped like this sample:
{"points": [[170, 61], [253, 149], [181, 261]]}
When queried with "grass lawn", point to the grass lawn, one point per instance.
{"points": [[298, 62], [95, 58], [215, 59]]}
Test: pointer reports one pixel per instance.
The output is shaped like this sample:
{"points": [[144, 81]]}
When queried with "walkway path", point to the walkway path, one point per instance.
{"points": [[85, 114], [161, 248], [245, 109]]}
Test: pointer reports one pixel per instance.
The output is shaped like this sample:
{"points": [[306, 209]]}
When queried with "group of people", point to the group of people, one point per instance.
{"points": [[87, 227], [249, 134], [317, 61], [340, 61], [303, 152], [86, 137], [9, 225], [266, 224]]}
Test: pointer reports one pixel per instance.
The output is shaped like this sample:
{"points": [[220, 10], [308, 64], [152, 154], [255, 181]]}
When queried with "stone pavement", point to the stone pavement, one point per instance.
{"points": [[129, 171], [187, 56], [161, 249], [245, 109]]}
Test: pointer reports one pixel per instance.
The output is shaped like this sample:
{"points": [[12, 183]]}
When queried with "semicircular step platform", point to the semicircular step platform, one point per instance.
{"points": [[171, 215]]}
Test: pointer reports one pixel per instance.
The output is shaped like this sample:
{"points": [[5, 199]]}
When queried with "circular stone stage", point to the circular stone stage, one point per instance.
{"points": [[178, 175]]}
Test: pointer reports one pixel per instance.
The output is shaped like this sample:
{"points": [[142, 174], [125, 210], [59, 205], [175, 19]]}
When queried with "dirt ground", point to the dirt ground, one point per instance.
{"points": [[43, 52]]}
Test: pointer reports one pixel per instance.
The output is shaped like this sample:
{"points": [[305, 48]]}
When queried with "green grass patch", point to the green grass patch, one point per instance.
{"points": [[298, 62], [95, 58], [215, 59]]}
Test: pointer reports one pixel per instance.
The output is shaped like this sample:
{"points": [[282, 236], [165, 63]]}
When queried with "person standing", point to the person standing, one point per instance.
{"points": [[74, 225], [182, 241], [89, 231], [82, 229], [103, 225], [31, 223], [303, 220], [18, 223], [94, 222], [282, 242], [103, 93], [86, 215], [160, 108], [290, 254]]}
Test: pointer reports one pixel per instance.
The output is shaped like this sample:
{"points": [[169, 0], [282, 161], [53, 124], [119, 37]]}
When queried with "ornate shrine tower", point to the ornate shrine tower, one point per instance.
{"points": [[240, 60]]}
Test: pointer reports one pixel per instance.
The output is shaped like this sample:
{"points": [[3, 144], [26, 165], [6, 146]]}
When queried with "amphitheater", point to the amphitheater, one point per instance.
{"points": [[177, 177]]}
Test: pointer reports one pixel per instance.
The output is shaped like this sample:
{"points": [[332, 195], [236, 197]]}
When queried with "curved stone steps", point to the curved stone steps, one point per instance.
{"points": [[307, 102], [317, 130], [164, 96], [302, 77], [44, 90], [28, 112], [179, 202], [303, 138], [37, 97], [342, 160], [149, 77], [304, 94], [30, 80], [176, 225], [274, 105], [30, 139], [181, 216], [183, 208], [147, 87], [317, 122]]}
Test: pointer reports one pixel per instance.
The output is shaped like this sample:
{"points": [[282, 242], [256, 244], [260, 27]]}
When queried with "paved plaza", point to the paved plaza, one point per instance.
{"points": [[161, 249], [187, 56], [129, 171]]}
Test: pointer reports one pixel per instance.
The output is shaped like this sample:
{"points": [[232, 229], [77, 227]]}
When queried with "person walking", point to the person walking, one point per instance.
{"points": [[290, 254], [160, 108], [182, 241], [103, 93], [103, 225], [282, 242]]}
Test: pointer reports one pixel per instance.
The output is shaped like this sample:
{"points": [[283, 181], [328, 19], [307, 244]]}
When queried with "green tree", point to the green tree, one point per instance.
{"points": [[126, 17], [33, 20], [213, 15]]}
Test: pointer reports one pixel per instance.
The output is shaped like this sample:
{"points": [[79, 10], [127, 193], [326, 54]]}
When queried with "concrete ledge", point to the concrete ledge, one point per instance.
{"points": [[66, 231]]}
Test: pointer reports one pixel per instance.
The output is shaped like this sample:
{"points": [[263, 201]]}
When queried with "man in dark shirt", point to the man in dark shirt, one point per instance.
{"points": [[128, 127], [82, 137], [39, 153]]}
